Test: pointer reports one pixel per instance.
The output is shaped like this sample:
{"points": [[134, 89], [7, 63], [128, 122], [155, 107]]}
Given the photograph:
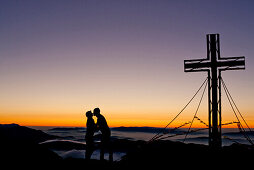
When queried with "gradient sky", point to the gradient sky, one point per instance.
{"points": [[59, 58]]}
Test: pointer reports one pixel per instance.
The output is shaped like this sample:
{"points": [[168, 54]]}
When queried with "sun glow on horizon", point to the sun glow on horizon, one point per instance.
{"points": [[125, 120]]}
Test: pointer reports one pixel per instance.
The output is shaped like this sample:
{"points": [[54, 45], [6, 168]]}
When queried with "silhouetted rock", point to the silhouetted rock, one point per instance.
{"points": [[167, 154], [17, 133], [19, 143], [125, 145]]}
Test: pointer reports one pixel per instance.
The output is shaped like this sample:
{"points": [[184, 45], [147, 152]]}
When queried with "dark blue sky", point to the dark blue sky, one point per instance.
{"points": [[125, 56]]}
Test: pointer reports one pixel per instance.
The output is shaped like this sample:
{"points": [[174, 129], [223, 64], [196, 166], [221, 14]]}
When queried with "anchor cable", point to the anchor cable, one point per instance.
{"points": [[236, 105], [196, 112], [240, 126], [158, 134]]}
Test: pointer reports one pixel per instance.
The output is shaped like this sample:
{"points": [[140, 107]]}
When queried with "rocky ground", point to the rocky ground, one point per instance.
{"points": [[22, 146]]}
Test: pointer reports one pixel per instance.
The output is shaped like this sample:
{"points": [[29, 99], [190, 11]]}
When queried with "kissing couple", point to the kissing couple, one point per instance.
{"points": [[91, 128]]}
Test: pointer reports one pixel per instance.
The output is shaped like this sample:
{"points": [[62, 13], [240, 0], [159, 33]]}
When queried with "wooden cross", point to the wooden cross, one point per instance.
{"points": [[212, 65]]}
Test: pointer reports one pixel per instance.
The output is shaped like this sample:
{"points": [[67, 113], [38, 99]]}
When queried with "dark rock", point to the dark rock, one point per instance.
{"points": [[14, 132], [19, 143], [167, 153]]}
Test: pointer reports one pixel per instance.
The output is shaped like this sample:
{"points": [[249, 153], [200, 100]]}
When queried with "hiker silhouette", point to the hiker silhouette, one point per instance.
{"points": [[102, 126], [90, 129]]}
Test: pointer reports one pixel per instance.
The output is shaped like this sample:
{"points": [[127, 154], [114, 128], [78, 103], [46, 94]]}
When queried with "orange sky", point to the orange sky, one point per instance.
{"points": [[115, 119]]}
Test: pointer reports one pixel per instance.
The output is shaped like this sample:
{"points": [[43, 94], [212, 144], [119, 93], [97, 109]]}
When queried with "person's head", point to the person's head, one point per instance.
{"points": [[96, 112], [89, 114]]}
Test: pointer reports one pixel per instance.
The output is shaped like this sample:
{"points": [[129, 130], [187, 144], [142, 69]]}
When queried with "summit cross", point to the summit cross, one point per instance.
{"points": [[214, 64]]}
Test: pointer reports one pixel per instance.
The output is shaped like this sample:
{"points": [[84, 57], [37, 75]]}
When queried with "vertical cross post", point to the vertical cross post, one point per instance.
{"points": [[214, 53]]}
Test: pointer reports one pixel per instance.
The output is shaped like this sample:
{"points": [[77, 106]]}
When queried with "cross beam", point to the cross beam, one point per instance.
{"points": [[212, 65]]}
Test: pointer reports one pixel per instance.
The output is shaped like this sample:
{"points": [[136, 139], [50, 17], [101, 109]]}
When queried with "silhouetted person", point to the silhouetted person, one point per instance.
{"points": [[90, 129], [105, 134]]}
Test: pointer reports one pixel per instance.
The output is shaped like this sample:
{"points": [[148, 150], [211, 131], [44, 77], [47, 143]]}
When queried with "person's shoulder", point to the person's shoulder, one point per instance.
{"points": [[101, 116]]}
